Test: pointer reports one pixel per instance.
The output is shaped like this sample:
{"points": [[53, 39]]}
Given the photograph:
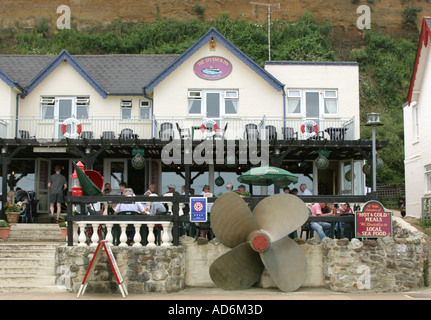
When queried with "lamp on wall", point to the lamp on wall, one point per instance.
{"points": [[373, 122], [212, 44]]}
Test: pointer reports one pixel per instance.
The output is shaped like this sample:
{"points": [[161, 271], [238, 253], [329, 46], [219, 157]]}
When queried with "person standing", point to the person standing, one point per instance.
{"points": [[56, 184]]}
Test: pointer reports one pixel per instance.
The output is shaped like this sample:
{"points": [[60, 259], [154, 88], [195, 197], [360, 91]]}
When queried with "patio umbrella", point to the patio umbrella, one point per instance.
{"points": [[265, 176], [88, 186]]}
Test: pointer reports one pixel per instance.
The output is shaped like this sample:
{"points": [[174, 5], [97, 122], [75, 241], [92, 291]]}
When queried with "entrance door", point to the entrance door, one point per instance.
{"points": [[43, 169], [64, 109], [115, 172], [347, 176], [312, 106], [213, 104]]}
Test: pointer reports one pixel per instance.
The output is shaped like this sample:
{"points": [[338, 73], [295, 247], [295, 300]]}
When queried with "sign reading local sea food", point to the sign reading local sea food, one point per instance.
{"points": [[213, 68], [373, 221]]}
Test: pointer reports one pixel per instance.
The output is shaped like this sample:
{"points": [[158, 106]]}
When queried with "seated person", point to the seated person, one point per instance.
{"points": [[346, 227], [130, 207], [323, 229], [157, 207], [345, 209]]}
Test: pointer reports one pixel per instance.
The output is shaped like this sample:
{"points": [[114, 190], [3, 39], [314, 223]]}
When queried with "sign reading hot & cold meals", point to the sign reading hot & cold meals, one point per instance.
{"points": [[373, 221]]}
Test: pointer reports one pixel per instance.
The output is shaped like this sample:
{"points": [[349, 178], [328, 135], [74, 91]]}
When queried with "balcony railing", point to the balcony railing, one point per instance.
{"points": [[195, 128]]}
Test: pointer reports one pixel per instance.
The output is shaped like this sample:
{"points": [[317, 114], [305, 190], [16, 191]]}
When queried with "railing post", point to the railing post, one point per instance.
{"points": [[175, 211], [69, 225]]}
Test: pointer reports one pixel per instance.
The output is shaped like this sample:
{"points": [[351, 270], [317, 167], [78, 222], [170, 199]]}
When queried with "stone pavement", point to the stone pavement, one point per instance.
{"points": [[215, 294]]}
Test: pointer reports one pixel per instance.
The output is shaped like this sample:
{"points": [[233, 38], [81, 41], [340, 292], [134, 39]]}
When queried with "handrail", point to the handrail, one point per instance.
{"points": [[175, 218]]}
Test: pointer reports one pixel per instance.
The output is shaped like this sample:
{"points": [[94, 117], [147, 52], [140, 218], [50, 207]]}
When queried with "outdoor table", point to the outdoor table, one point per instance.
{"points": [[333, 219], [336, 133]]}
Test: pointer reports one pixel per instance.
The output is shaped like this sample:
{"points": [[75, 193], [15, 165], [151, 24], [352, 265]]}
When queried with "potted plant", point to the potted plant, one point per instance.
{"points": [[13, 210], [4, 229], [63, 229]]}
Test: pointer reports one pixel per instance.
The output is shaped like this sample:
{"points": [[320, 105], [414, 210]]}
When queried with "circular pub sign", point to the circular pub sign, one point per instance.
{"points": [[213, 68]]}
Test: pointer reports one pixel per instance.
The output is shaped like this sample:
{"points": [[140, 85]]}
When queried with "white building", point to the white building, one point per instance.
{"points": [[59, 109], [417, 116]]}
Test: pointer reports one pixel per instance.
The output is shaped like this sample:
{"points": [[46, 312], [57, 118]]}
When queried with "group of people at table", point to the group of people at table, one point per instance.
{"points": [[323, 229], [321, 209]]}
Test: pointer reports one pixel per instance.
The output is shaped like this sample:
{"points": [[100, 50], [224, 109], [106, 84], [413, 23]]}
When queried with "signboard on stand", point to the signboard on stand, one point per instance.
{"points": [[105, 246], [198, 209], [373, 221]]}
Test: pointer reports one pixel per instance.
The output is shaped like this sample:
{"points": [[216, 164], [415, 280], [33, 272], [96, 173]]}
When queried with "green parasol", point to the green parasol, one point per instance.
{"points": [[265, 176], [88, 186]]}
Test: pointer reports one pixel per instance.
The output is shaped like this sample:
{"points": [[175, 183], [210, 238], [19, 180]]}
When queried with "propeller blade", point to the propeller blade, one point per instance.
{"points": [[280, 214], [286, 264], [232, 220], [237, 269]]}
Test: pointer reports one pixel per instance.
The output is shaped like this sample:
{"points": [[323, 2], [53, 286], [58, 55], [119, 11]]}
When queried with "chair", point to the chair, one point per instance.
{"points": [[271, 133], [87, 135], [24, 134], [204, 227], [127, 133], [166, 131], [220, 133], [158, 228], [251, 132], [108, 135], [289, 133], [336, 133], [309, 232], [130, 230], [184, 133]]}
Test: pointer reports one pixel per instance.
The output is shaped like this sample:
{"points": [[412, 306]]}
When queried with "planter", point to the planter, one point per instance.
{"points": [[12, 217], [4, 232], [63, 232]]}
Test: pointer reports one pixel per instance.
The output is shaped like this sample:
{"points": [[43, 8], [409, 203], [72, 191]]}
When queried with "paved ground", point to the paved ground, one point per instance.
{"points": [[214, 294]]}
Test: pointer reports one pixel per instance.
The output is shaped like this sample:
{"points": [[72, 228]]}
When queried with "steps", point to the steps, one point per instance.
{"points": [[27, 259], [35, 232]]}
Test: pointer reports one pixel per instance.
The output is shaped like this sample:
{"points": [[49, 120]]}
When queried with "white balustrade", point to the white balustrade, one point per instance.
{"points": [[84, 227]]}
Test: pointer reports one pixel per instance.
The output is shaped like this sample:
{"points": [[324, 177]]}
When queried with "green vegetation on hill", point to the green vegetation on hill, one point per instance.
{"points": [[386, 63]]}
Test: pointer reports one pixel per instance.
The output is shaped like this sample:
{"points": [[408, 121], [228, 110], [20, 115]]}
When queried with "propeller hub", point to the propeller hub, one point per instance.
{"points": [[260, 242]]}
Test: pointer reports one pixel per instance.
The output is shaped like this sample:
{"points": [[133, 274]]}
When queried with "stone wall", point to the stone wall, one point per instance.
{"points": [[144, 269], [385, 265]]}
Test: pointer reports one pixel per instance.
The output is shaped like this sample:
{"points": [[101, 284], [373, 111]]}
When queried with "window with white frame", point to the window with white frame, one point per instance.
{"points": [[213, 102], [231, 101], [428, 178], [78, 108], [82, 107], [126, 109], [330, 100], [294, 101], [144, 109], [327, 101], [195, 102], [48, 106]]}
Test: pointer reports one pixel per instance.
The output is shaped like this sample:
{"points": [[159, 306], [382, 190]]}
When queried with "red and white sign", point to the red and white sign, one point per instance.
{"points": [[104, 244]]}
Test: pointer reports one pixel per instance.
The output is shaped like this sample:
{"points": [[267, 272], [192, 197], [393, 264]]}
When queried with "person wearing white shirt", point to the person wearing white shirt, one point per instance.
{"points": [[304, 190]]}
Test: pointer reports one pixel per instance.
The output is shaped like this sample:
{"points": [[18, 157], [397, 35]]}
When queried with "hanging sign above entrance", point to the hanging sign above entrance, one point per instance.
{"points": [[213, 68]]}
